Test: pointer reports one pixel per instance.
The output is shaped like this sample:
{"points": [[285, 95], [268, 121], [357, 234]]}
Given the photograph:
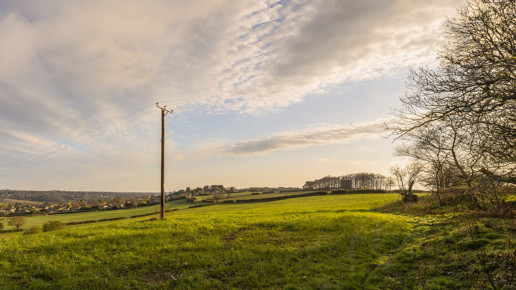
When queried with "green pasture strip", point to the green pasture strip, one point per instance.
{"points": [[324, 203], [249, 195], [270, 195]]}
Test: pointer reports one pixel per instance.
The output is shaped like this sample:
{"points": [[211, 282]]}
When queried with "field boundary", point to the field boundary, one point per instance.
{"points": [[317, 193]]}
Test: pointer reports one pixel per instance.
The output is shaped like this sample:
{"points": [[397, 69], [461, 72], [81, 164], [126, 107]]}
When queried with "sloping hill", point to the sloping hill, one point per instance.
{"points": [[332, 241]]}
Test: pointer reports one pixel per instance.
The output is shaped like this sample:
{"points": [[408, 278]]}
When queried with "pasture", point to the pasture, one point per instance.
{"points": [[330, 242]]}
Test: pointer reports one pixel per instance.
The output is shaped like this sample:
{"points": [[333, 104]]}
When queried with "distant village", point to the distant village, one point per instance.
{"points": [[12, 207], [14, 202]]}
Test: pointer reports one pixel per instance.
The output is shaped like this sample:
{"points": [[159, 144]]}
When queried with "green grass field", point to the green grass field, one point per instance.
{"points": [[326, 240], [322, 242], [248, 195]]}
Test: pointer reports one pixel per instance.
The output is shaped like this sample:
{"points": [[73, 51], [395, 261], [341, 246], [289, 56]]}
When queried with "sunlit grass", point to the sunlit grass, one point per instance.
{"points": [[328, 241], [331, 241]]}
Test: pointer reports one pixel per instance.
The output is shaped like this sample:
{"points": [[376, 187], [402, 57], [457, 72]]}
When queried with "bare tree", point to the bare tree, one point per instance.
{"points": [[435, 148], [474, 87], [407, 178], [389, 183], [461, 116], [230, 190], [16, 221]]}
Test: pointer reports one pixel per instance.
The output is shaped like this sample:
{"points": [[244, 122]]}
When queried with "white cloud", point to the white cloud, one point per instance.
{"points": [[70, 70], [328, 134], [93, 59], [316, 135]]}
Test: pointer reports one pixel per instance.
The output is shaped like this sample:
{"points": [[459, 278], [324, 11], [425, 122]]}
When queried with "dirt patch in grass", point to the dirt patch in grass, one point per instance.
{"points": [[159, 277], [229, 238]]}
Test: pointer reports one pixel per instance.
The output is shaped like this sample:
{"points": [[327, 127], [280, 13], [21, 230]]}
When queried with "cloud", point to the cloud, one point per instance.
{"points": [[344, 34], [323, 135], [316, 135], [71, 70], [91, 61]]}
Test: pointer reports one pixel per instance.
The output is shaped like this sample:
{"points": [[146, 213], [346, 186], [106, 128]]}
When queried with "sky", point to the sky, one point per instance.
{"points": [[263, 93]]}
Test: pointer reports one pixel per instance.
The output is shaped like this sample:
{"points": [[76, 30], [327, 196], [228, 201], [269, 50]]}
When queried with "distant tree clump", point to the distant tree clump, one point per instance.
{"points": [[53, 226], [361, 180], [16, 222]]}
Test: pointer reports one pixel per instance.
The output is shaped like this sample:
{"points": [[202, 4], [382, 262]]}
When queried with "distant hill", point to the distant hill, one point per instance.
{"points": [[56, 196]]}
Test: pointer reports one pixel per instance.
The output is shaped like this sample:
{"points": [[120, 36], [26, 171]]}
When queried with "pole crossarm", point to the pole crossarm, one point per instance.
{"points": [[164, 108]]}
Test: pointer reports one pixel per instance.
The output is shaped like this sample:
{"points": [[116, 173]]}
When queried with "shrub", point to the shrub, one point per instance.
{"points": [[143, 214], [112, 219], [53, 226], [315, 193], [1, 225], [200, 205], [32, 230], [191, 199], [339, 191], [81, 222], [410, 198], [362, 190]]}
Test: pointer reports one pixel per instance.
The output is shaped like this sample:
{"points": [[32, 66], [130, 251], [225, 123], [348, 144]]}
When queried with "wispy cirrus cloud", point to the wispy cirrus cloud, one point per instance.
{"points": [[315, 135]]}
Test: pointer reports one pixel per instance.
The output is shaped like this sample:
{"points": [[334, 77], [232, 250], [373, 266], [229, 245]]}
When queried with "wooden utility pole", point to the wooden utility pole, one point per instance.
{"points": [[164, 111]]}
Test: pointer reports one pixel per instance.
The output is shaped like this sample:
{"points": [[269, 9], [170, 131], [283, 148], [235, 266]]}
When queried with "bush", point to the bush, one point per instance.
{"points": [[32, 230], [112, 219], [358, 191], [339, 191], [200, 205], [316, 193], [410, 198], [191, 199], [53, 226], [81, 222], [142, 215], [1, 225]]}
